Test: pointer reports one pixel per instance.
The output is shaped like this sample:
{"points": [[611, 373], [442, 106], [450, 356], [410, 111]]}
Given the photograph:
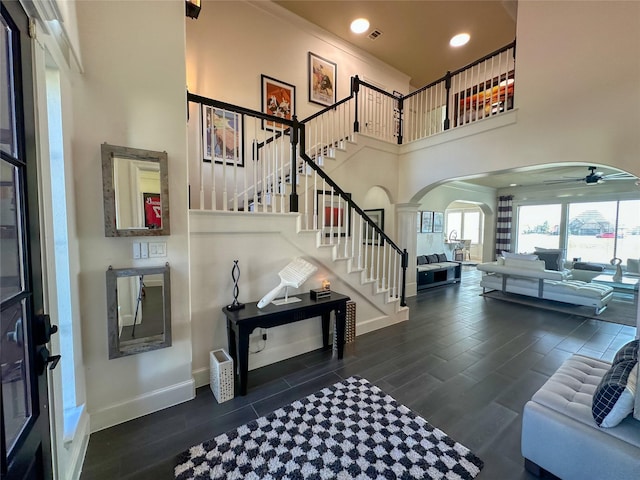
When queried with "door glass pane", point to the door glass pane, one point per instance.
{"points": [[7, 114], [538, 226], [472, 227], [15, 377], [628, 235], [454, 225], [591, 231], [10, 251]]}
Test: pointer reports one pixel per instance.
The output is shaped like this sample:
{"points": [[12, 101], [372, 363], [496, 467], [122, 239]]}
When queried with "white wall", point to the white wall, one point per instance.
{"points": [[577, 99], [132, 93], [233, 42]]}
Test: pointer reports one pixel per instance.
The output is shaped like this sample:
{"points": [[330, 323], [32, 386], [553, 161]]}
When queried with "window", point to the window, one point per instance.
{"points": [[466, 222], [538, 226]]}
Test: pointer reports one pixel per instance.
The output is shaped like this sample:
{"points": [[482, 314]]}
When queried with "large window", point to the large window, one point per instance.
{"points": [[599, 231], [538, 226], [595, 231], [466, 223]]}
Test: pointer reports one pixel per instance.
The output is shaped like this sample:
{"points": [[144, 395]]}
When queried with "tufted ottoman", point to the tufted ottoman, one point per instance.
{"points": [[560, 436]]}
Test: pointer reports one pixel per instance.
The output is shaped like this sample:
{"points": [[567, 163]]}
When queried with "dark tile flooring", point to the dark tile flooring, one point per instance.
{"points": [[465, 363]]}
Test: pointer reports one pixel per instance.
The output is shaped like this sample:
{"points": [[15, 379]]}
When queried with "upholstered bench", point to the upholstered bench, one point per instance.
{"points": [[560, 435]]}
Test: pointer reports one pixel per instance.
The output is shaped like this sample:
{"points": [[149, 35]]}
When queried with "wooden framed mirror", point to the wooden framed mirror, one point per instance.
{"points": [[136, 192], [138, 310]]}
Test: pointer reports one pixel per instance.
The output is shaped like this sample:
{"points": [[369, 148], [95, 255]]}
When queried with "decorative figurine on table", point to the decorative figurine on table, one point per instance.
{"points": [[617, 262], [235, 275]]}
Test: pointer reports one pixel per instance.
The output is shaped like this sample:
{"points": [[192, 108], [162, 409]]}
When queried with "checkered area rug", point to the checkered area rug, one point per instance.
{"points": [[351, 430]]}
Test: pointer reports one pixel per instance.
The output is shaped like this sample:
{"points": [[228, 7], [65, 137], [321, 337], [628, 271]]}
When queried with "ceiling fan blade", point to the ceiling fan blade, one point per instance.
{"points": [[563, 180], [619, 176]]}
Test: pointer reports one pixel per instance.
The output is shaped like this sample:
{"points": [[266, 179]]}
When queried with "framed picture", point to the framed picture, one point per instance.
{"points": [[322, 80], [222, 136], [493, 96], [152, 210], [377, 215], [419, 222], [427, 222], [438, 222], [331, 212], [279, 100]]}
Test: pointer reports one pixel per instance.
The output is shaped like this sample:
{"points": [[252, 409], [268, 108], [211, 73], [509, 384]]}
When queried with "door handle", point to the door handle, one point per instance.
{"points": [[43, 358]]}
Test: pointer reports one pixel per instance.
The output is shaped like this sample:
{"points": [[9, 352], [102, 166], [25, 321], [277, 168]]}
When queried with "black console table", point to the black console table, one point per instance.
{"points": [[240, 324]]}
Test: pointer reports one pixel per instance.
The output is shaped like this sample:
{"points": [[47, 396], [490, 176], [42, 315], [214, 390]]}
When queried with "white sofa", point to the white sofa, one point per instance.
{"points": [[560, 435], [525, 275]]}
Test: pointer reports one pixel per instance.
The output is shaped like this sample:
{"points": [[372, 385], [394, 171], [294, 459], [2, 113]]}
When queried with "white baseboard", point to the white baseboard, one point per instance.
{"points": [[78, 448], [142, 405]]}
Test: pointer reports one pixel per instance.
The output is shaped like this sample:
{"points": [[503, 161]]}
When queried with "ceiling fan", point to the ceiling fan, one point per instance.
{"points": [[593, 178]]}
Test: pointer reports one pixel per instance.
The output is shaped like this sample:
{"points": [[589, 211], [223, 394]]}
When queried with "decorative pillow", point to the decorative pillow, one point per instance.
{"points": [[628, 351], [553, 257], [442, 257], [624, 406], [618, 383], [588, 266], [432, 258], [422, 259]]}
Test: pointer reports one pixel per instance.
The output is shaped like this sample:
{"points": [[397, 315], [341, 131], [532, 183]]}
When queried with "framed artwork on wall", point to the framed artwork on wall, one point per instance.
{"points": [[222, 136], [331, 212], [427, 222], [438, 222], [377, 215], [419, 222], [279, 100], [322, 80]]}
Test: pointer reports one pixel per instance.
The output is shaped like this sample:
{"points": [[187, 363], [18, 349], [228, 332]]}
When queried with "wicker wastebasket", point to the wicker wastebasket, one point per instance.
{"points": [[350, 326]]}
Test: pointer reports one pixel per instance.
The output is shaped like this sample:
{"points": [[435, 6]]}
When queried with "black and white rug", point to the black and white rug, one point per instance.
{"points": [[352, 430]]}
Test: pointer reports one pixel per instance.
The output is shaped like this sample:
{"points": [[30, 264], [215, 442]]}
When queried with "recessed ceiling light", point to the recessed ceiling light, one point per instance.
{"points": [[513, 184], [459, 40], [360, 25]]}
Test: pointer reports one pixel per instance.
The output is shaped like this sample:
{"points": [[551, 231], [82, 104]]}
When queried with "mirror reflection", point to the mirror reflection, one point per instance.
{"points": [[136, 191], [138, 195], [139, 310]]}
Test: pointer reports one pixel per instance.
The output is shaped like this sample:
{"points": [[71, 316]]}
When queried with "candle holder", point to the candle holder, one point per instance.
{"points": [[235, 275]]}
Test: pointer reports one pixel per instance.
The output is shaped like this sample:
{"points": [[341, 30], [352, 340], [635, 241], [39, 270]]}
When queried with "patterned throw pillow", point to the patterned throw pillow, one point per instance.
{"points": [[422, 260], [442, 257], [618, 385], [628, 351], [432, 258]]}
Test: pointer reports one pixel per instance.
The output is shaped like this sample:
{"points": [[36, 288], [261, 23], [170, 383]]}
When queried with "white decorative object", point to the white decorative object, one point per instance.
{"points": [[221, 375], [293, 275], [617, 262]]}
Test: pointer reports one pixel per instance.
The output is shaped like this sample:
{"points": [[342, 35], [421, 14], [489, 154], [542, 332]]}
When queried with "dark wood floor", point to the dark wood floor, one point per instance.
{"points": [[465, 363]]}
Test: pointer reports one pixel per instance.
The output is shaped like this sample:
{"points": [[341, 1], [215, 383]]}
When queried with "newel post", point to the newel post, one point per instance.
{"points": [[355, 88], [447, 85], [293, 197]]}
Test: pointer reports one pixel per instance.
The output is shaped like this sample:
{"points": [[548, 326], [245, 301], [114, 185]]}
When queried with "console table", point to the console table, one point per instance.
{"points": [[240, 324]]}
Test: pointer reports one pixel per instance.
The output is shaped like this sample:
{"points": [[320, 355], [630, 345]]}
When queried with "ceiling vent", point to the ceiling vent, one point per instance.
{"points": [[375, 33]]}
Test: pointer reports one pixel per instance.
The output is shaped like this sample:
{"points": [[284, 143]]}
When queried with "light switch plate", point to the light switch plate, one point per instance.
{"points": [[157, 249], [144, 250], [136, 250]]}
